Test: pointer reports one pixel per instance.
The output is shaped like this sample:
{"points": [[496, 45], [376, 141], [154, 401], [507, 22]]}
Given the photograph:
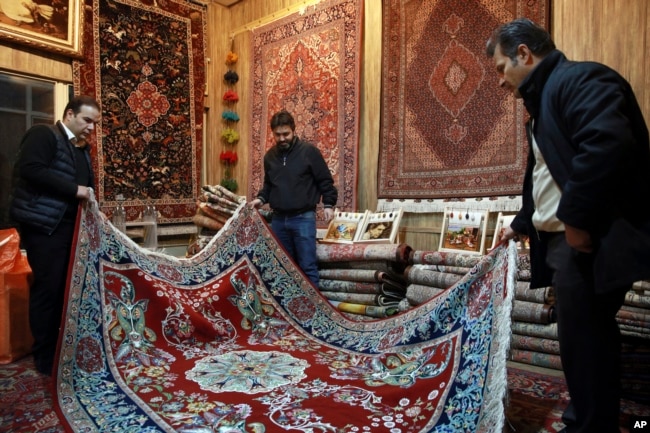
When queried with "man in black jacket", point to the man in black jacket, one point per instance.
{"points": [[53, 173], [296, 177], [588, 166]]}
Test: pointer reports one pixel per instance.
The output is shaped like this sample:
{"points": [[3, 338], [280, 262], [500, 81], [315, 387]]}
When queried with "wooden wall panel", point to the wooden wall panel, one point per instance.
{"points": [[13, 58], [216, 41], [645, 28], [608, 31], [370, 109]]}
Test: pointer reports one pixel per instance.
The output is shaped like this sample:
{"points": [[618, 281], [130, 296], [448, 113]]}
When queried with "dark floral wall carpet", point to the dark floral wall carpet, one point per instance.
{"points": [[144, 62]]}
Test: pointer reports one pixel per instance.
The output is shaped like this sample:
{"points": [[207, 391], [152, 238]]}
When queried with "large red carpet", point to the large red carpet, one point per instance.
{"points": [[535, 401], [236, 338]]}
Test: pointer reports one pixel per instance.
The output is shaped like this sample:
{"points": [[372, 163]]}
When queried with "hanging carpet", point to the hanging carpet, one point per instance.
{"points": [[447, 129], [236, 339], [309, 64], [144, 62]]}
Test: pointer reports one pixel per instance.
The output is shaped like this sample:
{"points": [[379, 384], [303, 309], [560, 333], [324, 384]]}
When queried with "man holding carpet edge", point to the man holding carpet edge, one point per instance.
{"points": [[53, 175], [588, 163], [296, 179]]}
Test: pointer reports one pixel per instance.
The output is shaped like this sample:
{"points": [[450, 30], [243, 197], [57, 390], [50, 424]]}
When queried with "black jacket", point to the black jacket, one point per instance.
{"points": [[46, 178], [591, 131], [296, 179]]}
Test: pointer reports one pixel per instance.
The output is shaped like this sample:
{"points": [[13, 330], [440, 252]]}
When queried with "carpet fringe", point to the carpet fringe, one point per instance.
{"points": [[493, 412], [491, 204]]}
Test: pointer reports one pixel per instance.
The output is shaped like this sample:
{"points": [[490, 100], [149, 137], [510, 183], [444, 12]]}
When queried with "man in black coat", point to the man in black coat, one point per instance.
{"points": [[588, 171], [296, 179], [53, 173]]}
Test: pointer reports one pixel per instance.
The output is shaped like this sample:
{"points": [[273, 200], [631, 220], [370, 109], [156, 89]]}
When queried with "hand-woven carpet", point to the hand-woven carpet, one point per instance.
{"points": [[447, 129], [144, 62], [309, 64], [236, 339]]}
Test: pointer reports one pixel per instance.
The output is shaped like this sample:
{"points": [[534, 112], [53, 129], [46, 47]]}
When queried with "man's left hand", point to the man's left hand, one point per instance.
{"points": [[578, 239]]}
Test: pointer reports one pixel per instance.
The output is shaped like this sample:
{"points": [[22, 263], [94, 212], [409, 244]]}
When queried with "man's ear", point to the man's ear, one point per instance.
{"points": [[524, 55]]}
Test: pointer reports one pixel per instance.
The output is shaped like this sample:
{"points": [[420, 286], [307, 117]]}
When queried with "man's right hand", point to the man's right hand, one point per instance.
{"points": [[255, 203], [83, 192], [508, 233]]}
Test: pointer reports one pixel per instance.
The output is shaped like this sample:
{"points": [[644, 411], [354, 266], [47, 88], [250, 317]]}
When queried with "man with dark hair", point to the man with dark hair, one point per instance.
{"points": [[588, 163], [296, 177], [53, 173]]}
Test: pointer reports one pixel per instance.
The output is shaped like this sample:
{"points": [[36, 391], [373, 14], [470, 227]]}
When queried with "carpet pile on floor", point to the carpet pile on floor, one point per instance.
{"points": [[535, 401]]}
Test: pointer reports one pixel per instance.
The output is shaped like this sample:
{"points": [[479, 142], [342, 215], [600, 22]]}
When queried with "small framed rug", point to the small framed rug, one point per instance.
{"points": [[381, 227], [463, 231], [345, 226], [503, 222]]}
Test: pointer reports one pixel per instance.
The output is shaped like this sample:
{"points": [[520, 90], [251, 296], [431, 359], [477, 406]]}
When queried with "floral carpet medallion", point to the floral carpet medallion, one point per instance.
{"points": [[145, 63], [236, 339]]}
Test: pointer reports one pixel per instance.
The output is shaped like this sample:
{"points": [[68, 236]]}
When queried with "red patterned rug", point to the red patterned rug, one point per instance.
{"points": [[536, 402], [26, 400], [534, 405], [144, 62], [447, 130], [309, 64], [236, 339]]}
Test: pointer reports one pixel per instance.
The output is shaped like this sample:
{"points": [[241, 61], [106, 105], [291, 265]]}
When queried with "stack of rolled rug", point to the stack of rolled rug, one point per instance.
{"points": [[431, 272], [534, 338], [634, 316], [534, 331], [364, 280], [216, 205], [634, 321]]}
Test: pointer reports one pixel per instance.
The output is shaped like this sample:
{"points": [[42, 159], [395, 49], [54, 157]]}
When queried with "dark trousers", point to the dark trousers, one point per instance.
{"points": [[297, 234], [590, 340], [48, 256]]}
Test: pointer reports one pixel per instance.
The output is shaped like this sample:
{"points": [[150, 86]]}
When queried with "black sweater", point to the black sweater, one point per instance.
{"points": [[295, 180]]}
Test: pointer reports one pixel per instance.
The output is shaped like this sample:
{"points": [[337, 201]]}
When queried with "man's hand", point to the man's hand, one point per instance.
{"points": [[83, 192], [329, 213], [508, 233], [578, 239], [255, 203]]}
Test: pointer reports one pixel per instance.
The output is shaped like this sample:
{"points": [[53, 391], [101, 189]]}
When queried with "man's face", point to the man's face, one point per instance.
{"points": [[283, 135], [82, 123], [512, 72]]}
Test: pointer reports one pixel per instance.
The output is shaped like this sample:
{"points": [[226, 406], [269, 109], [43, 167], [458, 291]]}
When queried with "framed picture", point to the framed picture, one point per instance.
{"points": [[344, 226], [463, 231], [503, 221], [49, 25], [380, 227]]}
